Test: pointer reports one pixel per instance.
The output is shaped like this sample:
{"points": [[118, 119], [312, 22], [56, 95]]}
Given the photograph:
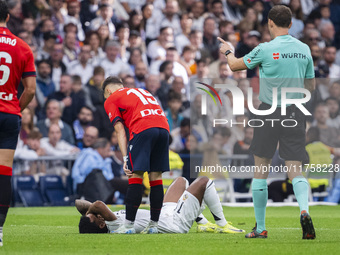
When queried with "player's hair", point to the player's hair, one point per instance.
{"points": [[111, 80], [88, 227], [101, 143], [281, 15]]}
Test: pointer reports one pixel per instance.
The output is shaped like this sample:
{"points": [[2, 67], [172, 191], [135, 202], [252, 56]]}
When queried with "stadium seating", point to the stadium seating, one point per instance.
{"points": [[26, 191], [52, 188]]}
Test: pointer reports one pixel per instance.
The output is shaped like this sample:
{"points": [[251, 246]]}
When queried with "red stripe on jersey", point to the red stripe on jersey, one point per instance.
{"points": [[155, 183], [135, 181], [6, 170]]}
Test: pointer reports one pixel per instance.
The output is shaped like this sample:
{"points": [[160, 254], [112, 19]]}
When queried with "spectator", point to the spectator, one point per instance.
{"points": [[152, 84], [55, 146], [71, 102], [83, 66], [217, 11], [122, 36], [196, 41], [32, 150], [84, 120], [97, 53], [166, 77], [179, 134], [182, 39], [297, 20], [178, 69], [135, 58], [58, 67], [329, 59], [129, 82], [170, 17], [198, 17], [232, 12], [112, 64], [328, 135], [104, 35], [327, 32], [140, 75], [209, 38], [242, 147], [27, 125], [73, 11], [88, 12], [57, 16], [188, 60], [94, 86], [28, 25], [105, 17], [91, 135], [157, 48], [53, 113], [45, 85], [172, 113], [70, 48], [97, 158], [333, 107], [131, 5], [15, 21], [49, 41]]}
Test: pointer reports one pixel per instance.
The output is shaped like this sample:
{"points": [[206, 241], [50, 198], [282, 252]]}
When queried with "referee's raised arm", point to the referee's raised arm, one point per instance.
{"points": [[235, 64]]}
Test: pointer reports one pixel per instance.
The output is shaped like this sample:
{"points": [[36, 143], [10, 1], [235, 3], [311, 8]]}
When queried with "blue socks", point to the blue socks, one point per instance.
{"points": [[260, 197], [300, 187]]}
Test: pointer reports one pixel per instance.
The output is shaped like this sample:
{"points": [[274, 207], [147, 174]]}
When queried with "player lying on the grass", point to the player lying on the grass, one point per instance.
{"points": [[182, 205]]}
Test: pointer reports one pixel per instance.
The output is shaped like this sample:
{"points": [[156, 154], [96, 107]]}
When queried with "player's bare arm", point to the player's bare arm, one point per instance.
{"points": [[29, 84], [99, 208], [82, 206], [310, 84], [122, 141], [235, 64]]}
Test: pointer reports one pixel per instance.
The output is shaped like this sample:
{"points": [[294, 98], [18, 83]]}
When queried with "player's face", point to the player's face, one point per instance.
{"points": [[99, 220]]}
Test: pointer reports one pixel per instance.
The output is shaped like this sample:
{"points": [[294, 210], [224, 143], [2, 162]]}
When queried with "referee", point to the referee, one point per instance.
{"points": [[283, 62]]}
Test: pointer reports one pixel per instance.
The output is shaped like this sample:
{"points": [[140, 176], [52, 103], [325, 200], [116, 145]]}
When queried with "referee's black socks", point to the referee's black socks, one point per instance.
{"points": [[156, 199], [133, 198]]}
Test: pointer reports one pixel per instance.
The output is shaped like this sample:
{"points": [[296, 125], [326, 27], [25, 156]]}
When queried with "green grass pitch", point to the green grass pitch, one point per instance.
{"points": [[50, 230]]}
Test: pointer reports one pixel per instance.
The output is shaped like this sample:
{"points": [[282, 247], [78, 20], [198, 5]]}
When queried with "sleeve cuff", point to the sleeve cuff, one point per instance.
{"points": [[28, 74], [116, 119]]}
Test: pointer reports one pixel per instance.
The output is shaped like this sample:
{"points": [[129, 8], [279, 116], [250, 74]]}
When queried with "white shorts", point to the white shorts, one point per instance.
{"points": [[179, 217]]}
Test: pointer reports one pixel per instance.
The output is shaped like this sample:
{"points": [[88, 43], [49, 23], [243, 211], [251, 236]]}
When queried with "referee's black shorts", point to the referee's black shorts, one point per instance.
{"points": [[292, 140]]}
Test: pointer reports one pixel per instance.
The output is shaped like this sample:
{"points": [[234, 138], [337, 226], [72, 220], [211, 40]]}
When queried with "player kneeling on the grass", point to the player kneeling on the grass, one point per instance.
{"points": [[182, 205]]}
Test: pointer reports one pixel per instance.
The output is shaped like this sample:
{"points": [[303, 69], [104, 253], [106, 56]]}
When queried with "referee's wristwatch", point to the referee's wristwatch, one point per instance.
{"points": [[228, 52]]}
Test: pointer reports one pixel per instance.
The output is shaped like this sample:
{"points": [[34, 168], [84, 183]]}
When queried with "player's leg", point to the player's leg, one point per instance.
{"points": [[175, 191], [159, 162], [9, 130]]}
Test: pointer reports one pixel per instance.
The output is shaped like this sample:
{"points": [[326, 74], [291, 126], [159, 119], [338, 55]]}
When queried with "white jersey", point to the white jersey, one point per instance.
{"points": [[175, 217]]}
